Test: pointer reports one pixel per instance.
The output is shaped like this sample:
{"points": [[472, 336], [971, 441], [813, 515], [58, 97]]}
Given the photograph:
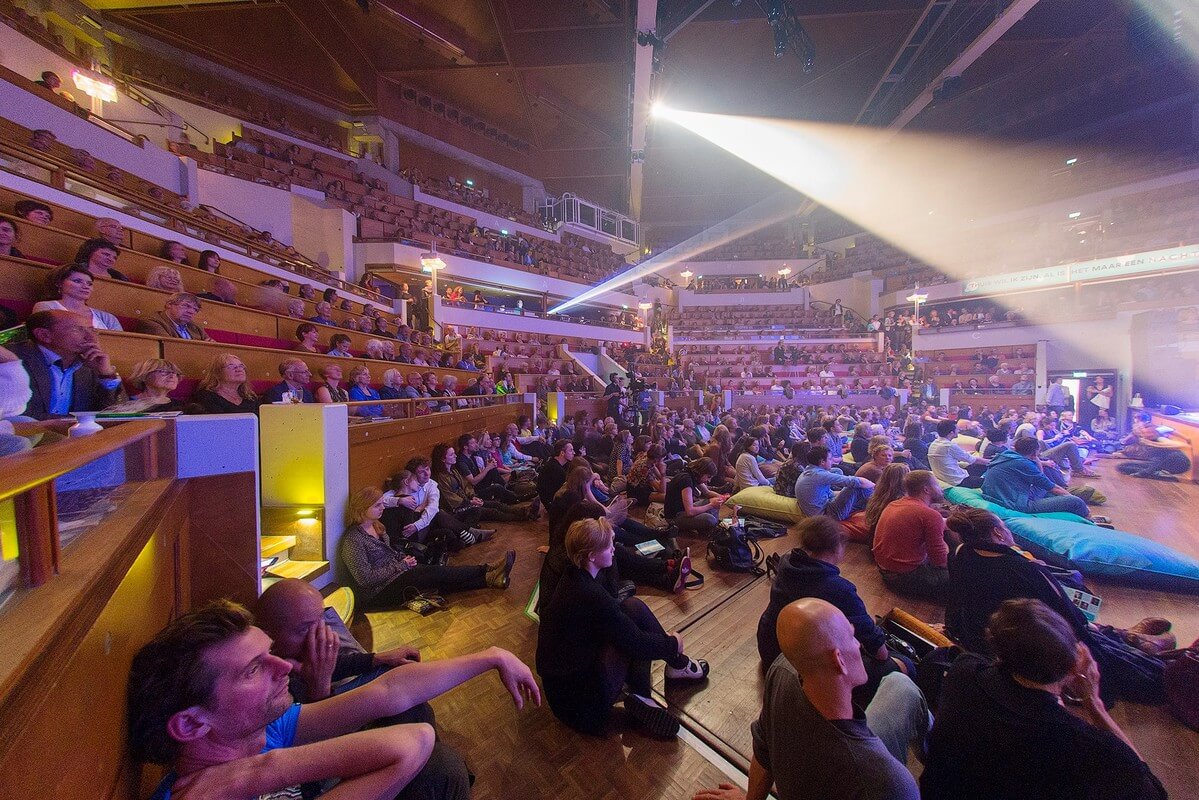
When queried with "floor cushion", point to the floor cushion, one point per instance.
{"points": [[1110, 554], [974, 497], [856, 528], [761, 501]]}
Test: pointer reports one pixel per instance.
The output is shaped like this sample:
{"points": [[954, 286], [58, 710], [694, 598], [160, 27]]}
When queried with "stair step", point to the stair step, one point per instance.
{"points": [[304, 570], [272, 545]]}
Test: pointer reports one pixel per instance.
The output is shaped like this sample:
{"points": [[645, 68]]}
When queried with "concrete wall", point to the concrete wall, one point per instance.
{"points": [[859, 292], [689, 299], [468, 317]]}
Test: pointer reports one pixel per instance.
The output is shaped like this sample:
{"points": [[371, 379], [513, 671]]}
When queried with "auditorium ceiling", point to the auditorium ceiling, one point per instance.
{"points": [[554, 76]]}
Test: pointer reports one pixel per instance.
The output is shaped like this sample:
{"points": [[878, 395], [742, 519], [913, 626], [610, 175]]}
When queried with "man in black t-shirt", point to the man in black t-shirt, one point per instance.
{"points": [[553, 472]]}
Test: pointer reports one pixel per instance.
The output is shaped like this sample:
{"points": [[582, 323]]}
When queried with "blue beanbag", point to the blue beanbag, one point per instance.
{"points": [[1110, 554], [974, 497]]}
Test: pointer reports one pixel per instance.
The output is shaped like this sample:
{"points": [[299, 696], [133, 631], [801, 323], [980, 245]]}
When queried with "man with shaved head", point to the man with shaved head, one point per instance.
{"points": [[810, 740], [327, 660]]}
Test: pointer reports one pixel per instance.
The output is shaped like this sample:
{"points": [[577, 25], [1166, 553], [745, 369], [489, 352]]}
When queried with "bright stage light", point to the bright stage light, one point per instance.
{"points": [[658, 109]]}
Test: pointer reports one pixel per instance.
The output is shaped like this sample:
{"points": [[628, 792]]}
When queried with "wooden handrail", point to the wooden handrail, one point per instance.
{"points": [[497, 400], [25, 471]]}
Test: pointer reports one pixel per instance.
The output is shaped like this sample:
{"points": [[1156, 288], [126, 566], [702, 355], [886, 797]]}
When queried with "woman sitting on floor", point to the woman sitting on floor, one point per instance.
{"points": [[689, 503], [748, 471], [457, 492], [591, 645], [988, 568], [384, 577], [888, 489], [646, 482]]}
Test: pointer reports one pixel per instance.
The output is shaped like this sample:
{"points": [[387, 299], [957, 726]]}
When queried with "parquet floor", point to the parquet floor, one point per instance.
{"points": [[531, 755]]}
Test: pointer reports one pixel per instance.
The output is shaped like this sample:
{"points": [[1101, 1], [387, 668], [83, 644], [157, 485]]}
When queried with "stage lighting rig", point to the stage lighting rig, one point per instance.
{"points": [[789, 33]]}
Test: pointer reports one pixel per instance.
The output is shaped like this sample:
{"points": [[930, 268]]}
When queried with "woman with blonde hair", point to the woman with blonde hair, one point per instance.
{"points": [[152, 382], [330, 389], [224, 388], [887, 489], [360, 389], [384, 577], [590, 645], [165, 278]]}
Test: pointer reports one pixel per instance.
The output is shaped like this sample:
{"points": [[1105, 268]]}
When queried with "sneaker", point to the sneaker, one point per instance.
{"points": [[499, 576], [535, 508], [696, 670], [625, 590], [678, 570], [482, 534], [651, 717]]}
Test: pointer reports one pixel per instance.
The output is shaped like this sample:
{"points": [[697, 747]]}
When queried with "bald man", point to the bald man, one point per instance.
{"points": [[810, 740], [327, 660]]}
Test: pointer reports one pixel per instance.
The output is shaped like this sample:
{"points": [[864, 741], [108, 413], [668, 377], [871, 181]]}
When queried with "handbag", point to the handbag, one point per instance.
{"points": [[735, 550], [655, 517]]}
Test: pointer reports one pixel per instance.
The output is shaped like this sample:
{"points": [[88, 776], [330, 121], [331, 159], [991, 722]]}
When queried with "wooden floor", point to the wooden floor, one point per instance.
{"points": [[531, 754]]}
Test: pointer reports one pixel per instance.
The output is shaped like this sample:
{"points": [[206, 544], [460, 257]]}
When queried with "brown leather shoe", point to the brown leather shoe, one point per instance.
{"points": [[1151, 635]]}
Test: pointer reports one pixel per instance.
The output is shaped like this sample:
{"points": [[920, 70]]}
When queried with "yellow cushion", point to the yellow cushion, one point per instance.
{"points": [[761, 501]]}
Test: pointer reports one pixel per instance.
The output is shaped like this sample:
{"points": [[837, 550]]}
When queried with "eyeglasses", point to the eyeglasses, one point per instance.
{"points": [[166, 372]]}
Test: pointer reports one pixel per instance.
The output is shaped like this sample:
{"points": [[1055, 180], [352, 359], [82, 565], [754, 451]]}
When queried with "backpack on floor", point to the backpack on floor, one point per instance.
{"points": [[734, 550], [762, 529]]}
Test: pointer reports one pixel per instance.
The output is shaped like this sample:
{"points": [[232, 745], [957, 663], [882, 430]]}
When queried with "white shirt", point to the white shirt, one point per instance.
{"points": [[945, 459], [15, 392]]}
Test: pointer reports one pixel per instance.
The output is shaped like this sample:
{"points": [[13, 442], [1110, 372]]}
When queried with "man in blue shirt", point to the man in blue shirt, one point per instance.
{"points": [[67, 369], [323, 314], [296, 377], [816, 488], [1015, 480], [209, 700]]}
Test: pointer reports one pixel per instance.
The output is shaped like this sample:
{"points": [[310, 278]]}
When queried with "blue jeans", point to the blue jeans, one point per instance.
{"points": [[847, 501], [899, 716], [1060, 502]]}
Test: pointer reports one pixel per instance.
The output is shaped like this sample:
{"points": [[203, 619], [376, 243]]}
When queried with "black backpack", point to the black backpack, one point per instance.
{"points": [[734, 550]]}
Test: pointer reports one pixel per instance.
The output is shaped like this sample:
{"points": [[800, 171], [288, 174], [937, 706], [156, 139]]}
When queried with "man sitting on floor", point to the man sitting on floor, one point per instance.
{"points": [[810, 740], [816, 488], [207, 699], [909, 540], [327, 660], [1015, 480], [1006, 730], [952, 465]]}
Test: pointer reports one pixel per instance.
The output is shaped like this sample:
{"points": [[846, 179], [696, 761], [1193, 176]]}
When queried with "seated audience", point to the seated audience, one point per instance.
{"points": [[646, 480], [8, 238], [988, 569], [384, 577], [209, 261], [457, 494], [174, 252], [152, 381], [810, 570], [414, 514], [294, 386], [881, 456], [1031, 723], [591, 645], [307, 336], [748, 471], [552, 473], [330, 390], [224, 388], [1016, 480], [909, 541], [952, 465], [111, 230], [165, 278], [1150, 454], [822, 490], [360, 389], [339, 346], [393, 385], [223, 291], [68, 288], [689, 503], [323, 315], [888, 489], [810, 739], [34, 211], [219, 732], [175, 319], [67, 369]]}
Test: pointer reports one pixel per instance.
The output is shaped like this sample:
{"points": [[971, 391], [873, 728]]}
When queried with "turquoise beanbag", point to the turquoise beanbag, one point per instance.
{"points": [[1110, 554], [974, 497]]}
